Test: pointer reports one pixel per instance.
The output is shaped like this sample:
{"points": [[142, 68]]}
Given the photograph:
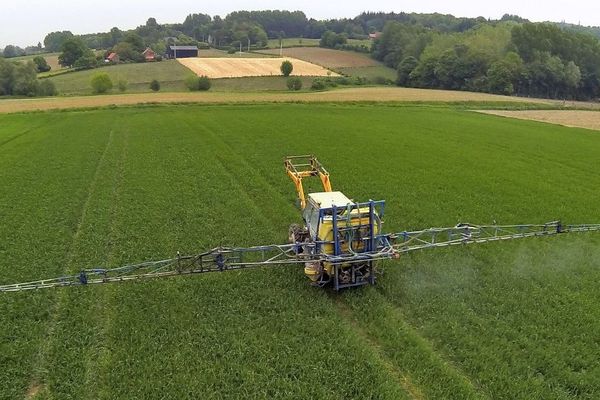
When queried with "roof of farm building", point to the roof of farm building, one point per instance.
{"points": [[183, 47]]}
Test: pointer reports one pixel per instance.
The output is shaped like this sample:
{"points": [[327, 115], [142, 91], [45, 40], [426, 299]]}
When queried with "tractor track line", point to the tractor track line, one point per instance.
{"points": [[19, 135], [58, 304], [453, 368], [402, 378], [105, 313]]}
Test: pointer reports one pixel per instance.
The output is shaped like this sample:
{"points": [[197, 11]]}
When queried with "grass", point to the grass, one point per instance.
{"points": [[504, 320], [220, 94], [170, 73], [256, 84], [292, 42], [51, 59], [371, 73]]}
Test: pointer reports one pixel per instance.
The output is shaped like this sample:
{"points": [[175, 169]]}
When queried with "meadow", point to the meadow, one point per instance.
{"points": [[514, 320], [170, 73]]}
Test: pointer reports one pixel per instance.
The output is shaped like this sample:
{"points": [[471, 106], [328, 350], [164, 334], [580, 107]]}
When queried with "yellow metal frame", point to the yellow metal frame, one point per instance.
{"points": [[300, 167]]}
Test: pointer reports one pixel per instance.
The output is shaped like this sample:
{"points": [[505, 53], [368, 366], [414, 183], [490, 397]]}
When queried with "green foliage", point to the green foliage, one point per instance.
{"points": [[20, 79], [54, 41], [11, 51], [72, 50], [286, 68], [88, 61], [155, 85], [196, 83], [127, 52], [122, 85], [41, 64], [47, 88], [405, 68], [101, 83], [318, 84], [459, 323], [294, 83], [333, 40]]}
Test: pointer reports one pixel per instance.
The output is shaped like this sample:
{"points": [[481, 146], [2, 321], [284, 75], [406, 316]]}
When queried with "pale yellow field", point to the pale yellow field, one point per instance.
{"points": [[572, 118], [241, 67], [369, 94]]}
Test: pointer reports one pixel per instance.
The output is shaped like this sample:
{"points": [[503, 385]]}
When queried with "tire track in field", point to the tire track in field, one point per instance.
{"points": [[40, 368], [257, 207], [401, 377], [446, 375], [18, 135], [104, 307]]}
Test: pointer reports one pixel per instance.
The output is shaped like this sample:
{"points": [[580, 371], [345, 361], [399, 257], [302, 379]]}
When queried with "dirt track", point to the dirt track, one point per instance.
{"points": [[571, 118], [242, 67], [371, 94]]}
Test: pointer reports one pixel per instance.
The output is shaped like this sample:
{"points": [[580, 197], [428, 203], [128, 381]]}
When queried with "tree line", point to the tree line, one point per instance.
{"points": [[504, 57]]}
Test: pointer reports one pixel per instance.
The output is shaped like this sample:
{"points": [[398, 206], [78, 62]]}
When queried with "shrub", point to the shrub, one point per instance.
{"points": [[86, 62], [286, 68], [47, 88], [294, 83], [122, 85], [41, 64], [194, 83], [231, 50], [318, 84], [158, 57], [204, 83], [155, 85], [101, 83]]}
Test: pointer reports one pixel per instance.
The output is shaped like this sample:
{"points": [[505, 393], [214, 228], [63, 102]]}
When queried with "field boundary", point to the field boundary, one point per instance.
{"points": [[346, 95], [580, 118]]}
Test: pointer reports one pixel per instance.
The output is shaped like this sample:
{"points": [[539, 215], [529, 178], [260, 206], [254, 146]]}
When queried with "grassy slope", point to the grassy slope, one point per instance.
{"points": [[170, 73], [512, 320]]}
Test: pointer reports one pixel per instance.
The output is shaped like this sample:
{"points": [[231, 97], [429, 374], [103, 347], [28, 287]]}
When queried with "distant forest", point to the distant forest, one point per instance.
{"points": [[506, 56]]}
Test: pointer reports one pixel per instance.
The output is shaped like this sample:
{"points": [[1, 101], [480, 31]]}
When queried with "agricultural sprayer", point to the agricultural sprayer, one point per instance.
{"points": [[339, 243]]}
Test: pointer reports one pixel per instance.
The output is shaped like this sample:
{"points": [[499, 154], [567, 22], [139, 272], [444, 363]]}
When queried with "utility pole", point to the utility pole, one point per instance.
{"points": [[248, 45]]}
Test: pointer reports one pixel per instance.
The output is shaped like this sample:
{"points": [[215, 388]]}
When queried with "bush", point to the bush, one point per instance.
{"points": [[155, 85], [46, 88], [195, 83], [231, 50], [294, 83], [158, 57], [86, 62], [318, 84], [41, 64], [122, 85], [286, 68], [204, 83], [101, 83]]}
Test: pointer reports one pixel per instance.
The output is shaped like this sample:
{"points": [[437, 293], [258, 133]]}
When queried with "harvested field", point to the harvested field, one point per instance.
{"points": [[370, 94], [328, 58], [241, 67], [572, 118]]}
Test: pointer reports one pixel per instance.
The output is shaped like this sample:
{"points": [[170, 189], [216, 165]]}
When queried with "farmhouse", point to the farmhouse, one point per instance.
{"points": [[374, 35], [149, 54], [112, 58], [182, 51]]}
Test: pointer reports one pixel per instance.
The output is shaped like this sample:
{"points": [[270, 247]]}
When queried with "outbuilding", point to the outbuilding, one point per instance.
{"points": [[182, 51], [149, 54]]}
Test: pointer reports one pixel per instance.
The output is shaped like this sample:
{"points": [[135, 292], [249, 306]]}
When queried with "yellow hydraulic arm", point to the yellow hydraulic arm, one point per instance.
{"points": [[299, 167]]}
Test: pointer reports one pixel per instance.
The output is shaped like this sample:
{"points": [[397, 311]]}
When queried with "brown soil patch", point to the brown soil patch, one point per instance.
{"points": [[571, 118], [327, 57], [369, 94], [242, 67], [33, 391]]}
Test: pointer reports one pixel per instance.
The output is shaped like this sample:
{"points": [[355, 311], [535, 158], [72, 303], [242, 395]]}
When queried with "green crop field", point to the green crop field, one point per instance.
{"points": [[512, 320]]}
